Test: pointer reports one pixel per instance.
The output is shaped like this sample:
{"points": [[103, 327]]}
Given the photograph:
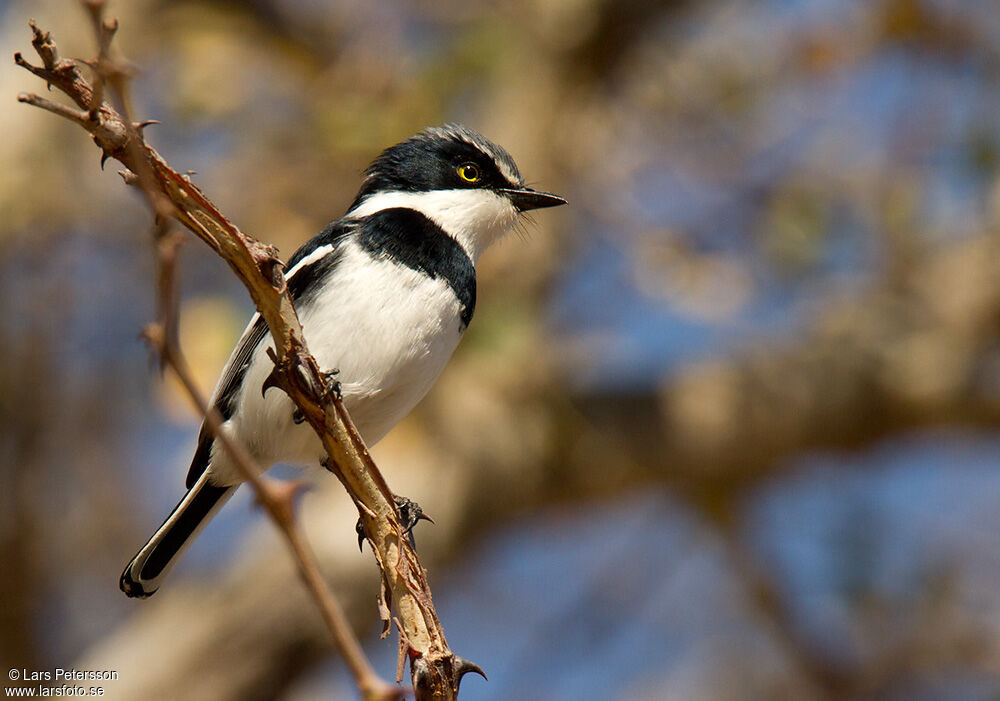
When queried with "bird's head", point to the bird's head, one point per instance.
{"points": [[466, 184]]}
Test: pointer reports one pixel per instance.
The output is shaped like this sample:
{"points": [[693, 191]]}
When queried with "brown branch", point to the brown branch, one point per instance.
{"points": [[167, 243], [436, 672], [53, 107], [103, 68]]}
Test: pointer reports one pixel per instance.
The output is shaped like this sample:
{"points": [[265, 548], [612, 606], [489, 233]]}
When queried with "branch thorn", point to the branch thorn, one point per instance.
{"points": [[463, 667], [270, 381]]}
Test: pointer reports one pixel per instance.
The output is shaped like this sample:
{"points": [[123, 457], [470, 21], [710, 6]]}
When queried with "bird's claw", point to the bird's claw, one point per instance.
{"points": [[331, 384], [410, 514]]}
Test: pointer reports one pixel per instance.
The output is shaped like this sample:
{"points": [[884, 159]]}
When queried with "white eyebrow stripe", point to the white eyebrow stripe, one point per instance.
{"points": [[507, 173]]}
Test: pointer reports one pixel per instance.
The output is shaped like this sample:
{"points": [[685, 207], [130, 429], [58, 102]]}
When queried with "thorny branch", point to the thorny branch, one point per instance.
{"points": [[436, 672]]}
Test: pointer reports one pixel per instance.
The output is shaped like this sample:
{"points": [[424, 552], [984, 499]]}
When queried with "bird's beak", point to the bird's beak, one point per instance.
{"points": [[525, 198]]}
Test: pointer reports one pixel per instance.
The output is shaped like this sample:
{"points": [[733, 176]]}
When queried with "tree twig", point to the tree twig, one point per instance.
{"points": [[436, 671]]}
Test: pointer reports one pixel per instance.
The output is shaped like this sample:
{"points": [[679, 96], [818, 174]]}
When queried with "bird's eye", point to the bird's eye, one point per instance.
{"points": [[469, 173]]}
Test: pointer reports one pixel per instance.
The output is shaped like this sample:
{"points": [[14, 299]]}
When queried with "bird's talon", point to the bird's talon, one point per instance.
{"points": [[332, 385], [410, 514]]}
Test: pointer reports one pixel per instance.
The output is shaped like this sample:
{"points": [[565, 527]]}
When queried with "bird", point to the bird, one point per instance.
{"points": [[384, 295]]}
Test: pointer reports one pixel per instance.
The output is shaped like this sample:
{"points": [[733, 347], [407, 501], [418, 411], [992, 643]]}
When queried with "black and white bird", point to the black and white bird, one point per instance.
{"points": [[384, 295]]}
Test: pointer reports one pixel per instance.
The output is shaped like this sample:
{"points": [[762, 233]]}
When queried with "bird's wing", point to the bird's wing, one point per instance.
{"points": [[227, 392], [316, 257]]}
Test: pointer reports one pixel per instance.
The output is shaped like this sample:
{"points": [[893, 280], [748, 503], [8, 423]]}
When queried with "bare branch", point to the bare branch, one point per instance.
{"points": [[105, 32], [167, 243], [54, 107]]}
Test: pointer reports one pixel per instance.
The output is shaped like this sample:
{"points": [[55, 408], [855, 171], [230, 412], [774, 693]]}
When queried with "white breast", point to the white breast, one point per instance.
{"points": [[389, 329]]}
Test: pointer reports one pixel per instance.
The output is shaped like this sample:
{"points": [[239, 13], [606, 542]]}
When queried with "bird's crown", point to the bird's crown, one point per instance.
{"points": [[448, 157]]}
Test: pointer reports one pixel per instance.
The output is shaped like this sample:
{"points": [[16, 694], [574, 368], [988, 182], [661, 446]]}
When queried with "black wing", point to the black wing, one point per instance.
{"points": [[226, 395], [300, 285]]}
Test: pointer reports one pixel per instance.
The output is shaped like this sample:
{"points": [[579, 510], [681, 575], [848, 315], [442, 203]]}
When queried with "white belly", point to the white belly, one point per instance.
{"points": [[389, 329]]}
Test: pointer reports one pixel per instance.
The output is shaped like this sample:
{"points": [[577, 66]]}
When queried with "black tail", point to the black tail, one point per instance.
{"points": [[142, 575]]}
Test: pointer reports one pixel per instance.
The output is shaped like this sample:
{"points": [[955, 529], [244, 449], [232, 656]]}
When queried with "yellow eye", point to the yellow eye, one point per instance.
{"points": [[469, 173]]}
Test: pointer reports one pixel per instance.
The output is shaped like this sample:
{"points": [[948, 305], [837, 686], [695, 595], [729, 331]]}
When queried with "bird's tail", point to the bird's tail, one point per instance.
{"points": [[142, 575]]}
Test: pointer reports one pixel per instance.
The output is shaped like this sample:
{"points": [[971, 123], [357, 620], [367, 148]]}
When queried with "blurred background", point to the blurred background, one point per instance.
{"points": [[726, 427]]}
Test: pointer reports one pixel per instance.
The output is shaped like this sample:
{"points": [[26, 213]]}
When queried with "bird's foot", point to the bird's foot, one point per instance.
{"points": [[410, 514], [331, 384]]}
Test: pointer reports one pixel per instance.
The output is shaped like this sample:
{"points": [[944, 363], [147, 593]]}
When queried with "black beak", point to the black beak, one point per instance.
{"points": [[526, 198]]}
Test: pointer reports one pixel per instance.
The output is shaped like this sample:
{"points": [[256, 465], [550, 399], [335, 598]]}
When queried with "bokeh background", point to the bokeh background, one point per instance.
{"points": [[723, 428]]}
